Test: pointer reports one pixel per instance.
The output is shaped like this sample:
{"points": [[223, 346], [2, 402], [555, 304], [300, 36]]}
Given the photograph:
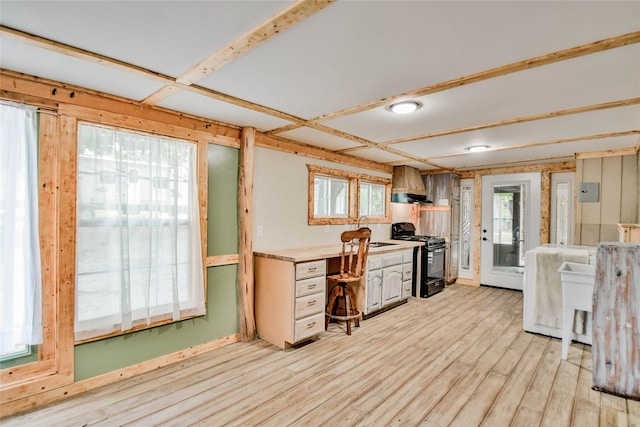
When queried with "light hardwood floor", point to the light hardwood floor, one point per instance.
{"points": [[459, 358]]}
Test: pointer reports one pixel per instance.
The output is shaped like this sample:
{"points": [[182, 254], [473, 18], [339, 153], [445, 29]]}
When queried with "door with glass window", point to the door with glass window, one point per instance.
{"points": [[510, 226]]}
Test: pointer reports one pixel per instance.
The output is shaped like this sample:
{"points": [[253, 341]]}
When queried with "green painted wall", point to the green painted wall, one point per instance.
{"points": [[221, 320]]}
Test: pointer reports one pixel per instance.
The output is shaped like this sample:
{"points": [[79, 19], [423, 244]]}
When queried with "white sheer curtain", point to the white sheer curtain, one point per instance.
{"points": [[20, 276], [138, 253]]}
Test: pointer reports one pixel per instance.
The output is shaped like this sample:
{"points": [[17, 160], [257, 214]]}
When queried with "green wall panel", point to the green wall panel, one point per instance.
{"points": [[222, 230], [221, 320]]}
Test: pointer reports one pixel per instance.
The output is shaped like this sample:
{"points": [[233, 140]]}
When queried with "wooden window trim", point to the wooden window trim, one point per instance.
{"points": [[354, 179], [119, 121], [54, 367]]}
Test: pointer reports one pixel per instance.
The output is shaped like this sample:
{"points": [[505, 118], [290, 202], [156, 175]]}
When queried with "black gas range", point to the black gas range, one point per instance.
{"points": [[431, 257]]}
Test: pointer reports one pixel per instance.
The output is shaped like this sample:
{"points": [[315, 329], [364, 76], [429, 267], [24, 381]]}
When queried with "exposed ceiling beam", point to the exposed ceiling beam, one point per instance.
{"points": [[511, 162], [534, 117], [574, 52], [85, 55], [170, 85], [550, 142], [370, 144], [286, 18]]}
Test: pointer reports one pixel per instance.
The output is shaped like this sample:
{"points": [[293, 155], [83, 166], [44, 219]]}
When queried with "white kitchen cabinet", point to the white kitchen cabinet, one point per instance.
{"points": [[407, 273], [391, 284], [389, 279], [374, 284], [290, 300]]}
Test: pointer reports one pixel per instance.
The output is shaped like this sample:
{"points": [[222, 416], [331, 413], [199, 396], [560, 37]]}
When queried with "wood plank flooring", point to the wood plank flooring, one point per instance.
{"points": [[459, 358]]}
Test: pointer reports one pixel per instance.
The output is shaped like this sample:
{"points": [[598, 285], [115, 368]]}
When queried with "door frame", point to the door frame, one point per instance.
{"points": [[532, 200]]}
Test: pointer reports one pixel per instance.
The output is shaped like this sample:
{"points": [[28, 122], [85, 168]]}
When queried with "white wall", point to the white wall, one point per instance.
{"points": [[280, 203]]}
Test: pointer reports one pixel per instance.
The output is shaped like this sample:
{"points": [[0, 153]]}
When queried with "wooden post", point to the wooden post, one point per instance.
{"points": [[545, 206], [616, 320], [477, 226], [245, 211]]}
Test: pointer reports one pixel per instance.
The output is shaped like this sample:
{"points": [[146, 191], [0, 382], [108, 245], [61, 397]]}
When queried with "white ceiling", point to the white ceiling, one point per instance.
{"points": [[351, 53]]}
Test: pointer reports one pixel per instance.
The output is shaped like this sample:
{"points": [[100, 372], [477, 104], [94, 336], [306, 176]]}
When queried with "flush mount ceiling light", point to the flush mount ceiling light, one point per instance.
{"points": [[404, 107], [477, 148]]}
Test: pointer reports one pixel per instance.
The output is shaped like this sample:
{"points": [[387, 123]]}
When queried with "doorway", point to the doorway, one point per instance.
{"points": [[510, 226]]}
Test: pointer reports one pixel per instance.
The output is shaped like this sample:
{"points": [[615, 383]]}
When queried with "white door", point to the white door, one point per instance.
{"points": [[510, 226]]}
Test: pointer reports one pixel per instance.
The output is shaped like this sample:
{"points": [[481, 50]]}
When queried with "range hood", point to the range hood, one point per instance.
{"points": [[407, 186]]}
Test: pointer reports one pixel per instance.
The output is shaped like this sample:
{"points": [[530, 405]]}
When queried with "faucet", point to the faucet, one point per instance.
{"points": [[365, 218]]}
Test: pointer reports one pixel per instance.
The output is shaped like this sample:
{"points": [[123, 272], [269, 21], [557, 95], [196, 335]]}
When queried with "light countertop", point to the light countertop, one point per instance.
{"points": [[311, 253]]}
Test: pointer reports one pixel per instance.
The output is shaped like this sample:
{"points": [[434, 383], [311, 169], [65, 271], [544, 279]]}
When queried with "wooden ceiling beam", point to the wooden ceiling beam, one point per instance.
{"points": [[561, 55], [171, 86], [294, 147], [286, 18], [369, 144], [534, 117], [531, 118], [522, 168], [82, 54], [586, 49], [607, 153], [549, 142], [569, 166]]}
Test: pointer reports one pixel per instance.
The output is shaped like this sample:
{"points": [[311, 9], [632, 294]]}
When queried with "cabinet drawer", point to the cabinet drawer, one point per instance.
{"points": [[308, 327], [406, 289], [310, 304], [310, 286], [407, 256], [310, 269], [391, 259], [374, 263], [407, 271]]}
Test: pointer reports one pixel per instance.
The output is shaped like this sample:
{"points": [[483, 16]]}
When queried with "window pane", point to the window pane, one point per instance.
{"points": [[320, 196], [20, 275], [339, 197], [138, 236], [330, 197], [372, 201], [377, 200], [365, 196]]}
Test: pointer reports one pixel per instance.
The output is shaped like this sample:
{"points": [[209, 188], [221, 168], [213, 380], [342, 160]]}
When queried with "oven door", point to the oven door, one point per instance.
{"points": [[435, 263]]}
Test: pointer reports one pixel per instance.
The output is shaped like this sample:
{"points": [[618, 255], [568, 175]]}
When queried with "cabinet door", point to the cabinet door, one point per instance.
{"points": [[374, 291], [391, 284]]}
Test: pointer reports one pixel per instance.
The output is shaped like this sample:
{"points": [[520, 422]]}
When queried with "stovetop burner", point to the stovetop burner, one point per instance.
{"points": [[407, 231]]}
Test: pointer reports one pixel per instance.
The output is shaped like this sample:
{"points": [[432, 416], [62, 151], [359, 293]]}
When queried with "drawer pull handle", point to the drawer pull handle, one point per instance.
{"points": [[311, 325], [310, 303], [312, 269], [311, 286]]}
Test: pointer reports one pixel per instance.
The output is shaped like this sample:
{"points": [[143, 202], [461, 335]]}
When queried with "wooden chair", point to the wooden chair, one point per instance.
{"points": [[342, 304]]}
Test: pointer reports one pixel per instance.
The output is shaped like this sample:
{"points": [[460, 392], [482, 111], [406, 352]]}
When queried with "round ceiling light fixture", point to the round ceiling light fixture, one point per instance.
{"points": [[477, 148], [404, 107]]}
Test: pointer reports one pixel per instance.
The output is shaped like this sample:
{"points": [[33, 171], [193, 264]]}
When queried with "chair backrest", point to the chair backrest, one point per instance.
{"points": [[353, 238]]}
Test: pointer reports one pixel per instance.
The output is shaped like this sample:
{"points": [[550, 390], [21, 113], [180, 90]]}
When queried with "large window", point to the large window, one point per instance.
{"points": [[20, 274], [138, 250], [340, 197]]}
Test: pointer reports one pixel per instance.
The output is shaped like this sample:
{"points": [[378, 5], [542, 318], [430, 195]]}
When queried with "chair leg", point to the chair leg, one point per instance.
{"points": [[347, 309], [353, 305], [333, 296]]}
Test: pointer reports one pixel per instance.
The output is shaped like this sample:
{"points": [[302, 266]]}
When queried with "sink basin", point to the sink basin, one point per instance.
{"points": [[380, 244]]}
